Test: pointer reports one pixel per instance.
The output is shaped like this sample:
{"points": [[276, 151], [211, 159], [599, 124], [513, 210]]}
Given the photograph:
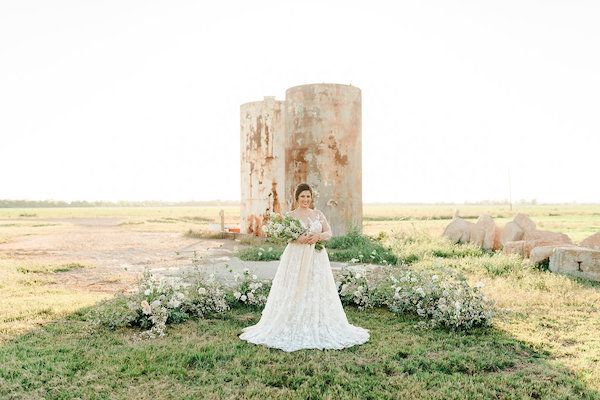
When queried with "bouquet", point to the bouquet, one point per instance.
{"points": [[286, 229]]}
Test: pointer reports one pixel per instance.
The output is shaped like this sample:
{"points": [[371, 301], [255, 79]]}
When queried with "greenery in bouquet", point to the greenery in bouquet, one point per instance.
{"points": [[286, 228]]}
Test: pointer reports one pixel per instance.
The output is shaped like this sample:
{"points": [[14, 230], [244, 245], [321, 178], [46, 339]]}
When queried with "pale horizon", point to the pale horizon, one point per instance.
{"points": [[139, 100]]}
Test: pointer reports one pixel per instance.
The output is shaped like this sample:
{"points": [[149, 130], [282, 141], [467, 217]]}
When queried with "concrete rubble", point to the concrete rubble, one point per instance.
{"points": [[521, 236]]}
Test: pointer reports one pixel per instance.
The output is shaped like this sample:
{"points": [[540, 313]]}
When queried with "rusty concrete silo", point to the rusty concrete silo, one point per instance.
{"points": [[324, 148], [262, 130]]}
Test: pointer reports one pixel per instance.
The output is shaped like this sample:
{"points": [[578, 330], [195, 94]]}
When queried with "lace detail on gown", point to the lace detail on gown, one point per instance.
{"points": [[303, 309]]}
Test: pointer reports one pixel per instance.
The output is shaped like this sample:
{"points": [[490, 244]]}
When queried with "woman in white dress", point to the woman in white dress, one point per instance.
{"points": [[303, 310]]}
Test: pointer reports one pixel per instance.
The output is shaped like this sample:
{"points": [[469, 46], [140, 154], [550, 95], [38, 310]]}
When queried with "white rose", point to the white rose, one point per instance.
{"points": [[243, 297], [237, 295], [201, 291]]}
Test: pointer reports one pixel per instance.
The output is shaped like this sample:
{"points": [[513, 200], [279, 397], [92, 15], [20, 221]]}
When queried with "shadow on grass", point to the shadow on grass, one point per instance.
{"points": [[70, 359]]}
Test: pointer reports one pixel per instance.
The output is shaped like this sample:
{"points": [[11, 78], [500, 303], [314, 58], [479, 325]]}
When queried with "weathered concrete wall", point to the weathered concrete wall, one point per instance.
{"points": [[324, 148], [578, 261], [262, 130]]}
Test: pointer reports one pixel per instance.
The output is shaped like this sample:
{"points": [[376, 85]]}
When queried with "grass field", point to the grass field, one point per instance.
{"points": [[543, 345]]}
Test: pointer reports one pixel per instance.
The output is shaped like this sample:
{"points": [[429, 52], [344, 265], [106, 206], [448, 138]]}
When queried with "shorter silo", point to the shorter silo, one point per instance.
{"points": [[262, 131]]}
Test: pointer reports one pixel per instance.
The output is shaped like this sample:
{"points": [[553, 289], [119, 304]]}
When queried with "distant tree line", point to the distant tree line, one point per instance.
{"points": [[59, 203]]}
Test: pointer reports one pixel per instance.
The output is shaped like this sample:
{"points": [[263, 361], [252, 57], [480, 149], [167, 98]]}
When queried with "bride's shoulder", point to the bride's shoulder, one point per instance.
{"points": [[319, 213]]}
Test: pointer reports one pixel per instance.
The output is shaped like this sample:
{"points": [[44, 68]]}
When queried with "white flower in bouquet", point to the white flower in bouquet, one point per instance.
{"points": [[155, 304], [237, 295], [243, 297], [201, 291]]}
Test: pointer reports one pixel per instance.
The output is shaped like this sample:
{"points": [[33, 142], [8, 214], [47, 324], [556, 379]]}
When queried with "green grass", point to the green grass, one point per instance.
{"points": [[46, 269], [205, 359]]}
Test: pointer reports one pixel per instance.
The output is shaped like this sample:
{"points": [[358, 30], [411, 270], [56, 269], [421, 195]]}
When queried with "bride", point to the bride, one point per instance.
{"points": [[303, 310]]}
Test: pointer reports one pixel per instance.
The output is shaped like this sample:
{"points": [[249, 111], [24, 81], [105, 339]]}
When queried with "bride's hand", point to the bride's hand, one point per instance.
{"points": [[313, 239], [302, 239]]}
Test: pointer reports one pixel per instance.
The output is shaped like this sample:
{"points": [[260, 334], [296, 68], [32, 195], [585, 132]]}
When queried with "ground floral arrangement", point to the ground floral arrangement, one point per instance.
{"points": [[442, 300]]}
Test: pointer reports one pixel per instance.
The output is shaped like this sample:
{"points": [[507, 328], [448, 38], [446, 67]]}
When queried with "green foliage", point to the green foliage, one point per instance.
{"points": [[355, 247], [501, 265], [543, 265], [190, 233], [270, 253], [47, 269]]}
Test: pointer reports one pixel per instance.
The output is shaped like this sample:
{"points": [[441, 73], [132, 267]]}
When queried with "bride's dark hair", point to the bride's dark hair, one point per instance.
{"points": [[301, 188]]}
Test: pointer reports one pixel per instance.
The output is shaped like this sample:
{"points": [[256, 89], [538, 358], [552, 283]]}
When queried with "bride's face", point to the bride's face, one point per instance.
{"points": [[304, 199]]}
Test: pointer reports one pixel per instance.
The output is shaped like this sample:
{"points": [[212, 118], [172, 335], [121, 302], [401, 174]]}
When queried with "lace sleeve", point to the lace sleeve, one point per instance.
{"points": [[326, 233]]}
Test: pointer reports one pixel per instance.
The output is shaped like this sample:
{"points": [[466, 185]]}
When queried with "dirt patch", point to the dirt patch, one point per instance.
{"points": [[115, 256]]}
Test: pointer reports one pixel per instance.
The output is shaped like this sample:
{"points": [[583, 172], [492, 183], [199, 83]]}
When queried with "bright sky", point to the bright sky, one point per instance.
{"points": [[139, 100]]}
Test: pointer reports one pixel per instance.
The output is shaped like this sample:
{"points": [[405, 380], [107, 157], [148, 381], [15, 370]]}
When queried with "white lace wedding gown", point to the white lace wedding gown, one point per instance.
{"points": [[303, 309]]}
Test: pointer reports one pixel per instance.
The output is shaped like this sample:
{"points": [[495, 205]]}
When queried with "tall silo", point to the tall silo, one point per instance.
{"points": [[262, 131], [324, 148]]}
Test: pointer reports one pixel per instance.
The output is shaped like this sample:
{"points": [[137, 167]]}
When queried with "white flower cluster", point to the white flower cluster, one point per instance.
{"points": [[206, 297], [354, 288], [283, 228], [160, 301], [156, 299], [250, 290], [446, 301]]}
